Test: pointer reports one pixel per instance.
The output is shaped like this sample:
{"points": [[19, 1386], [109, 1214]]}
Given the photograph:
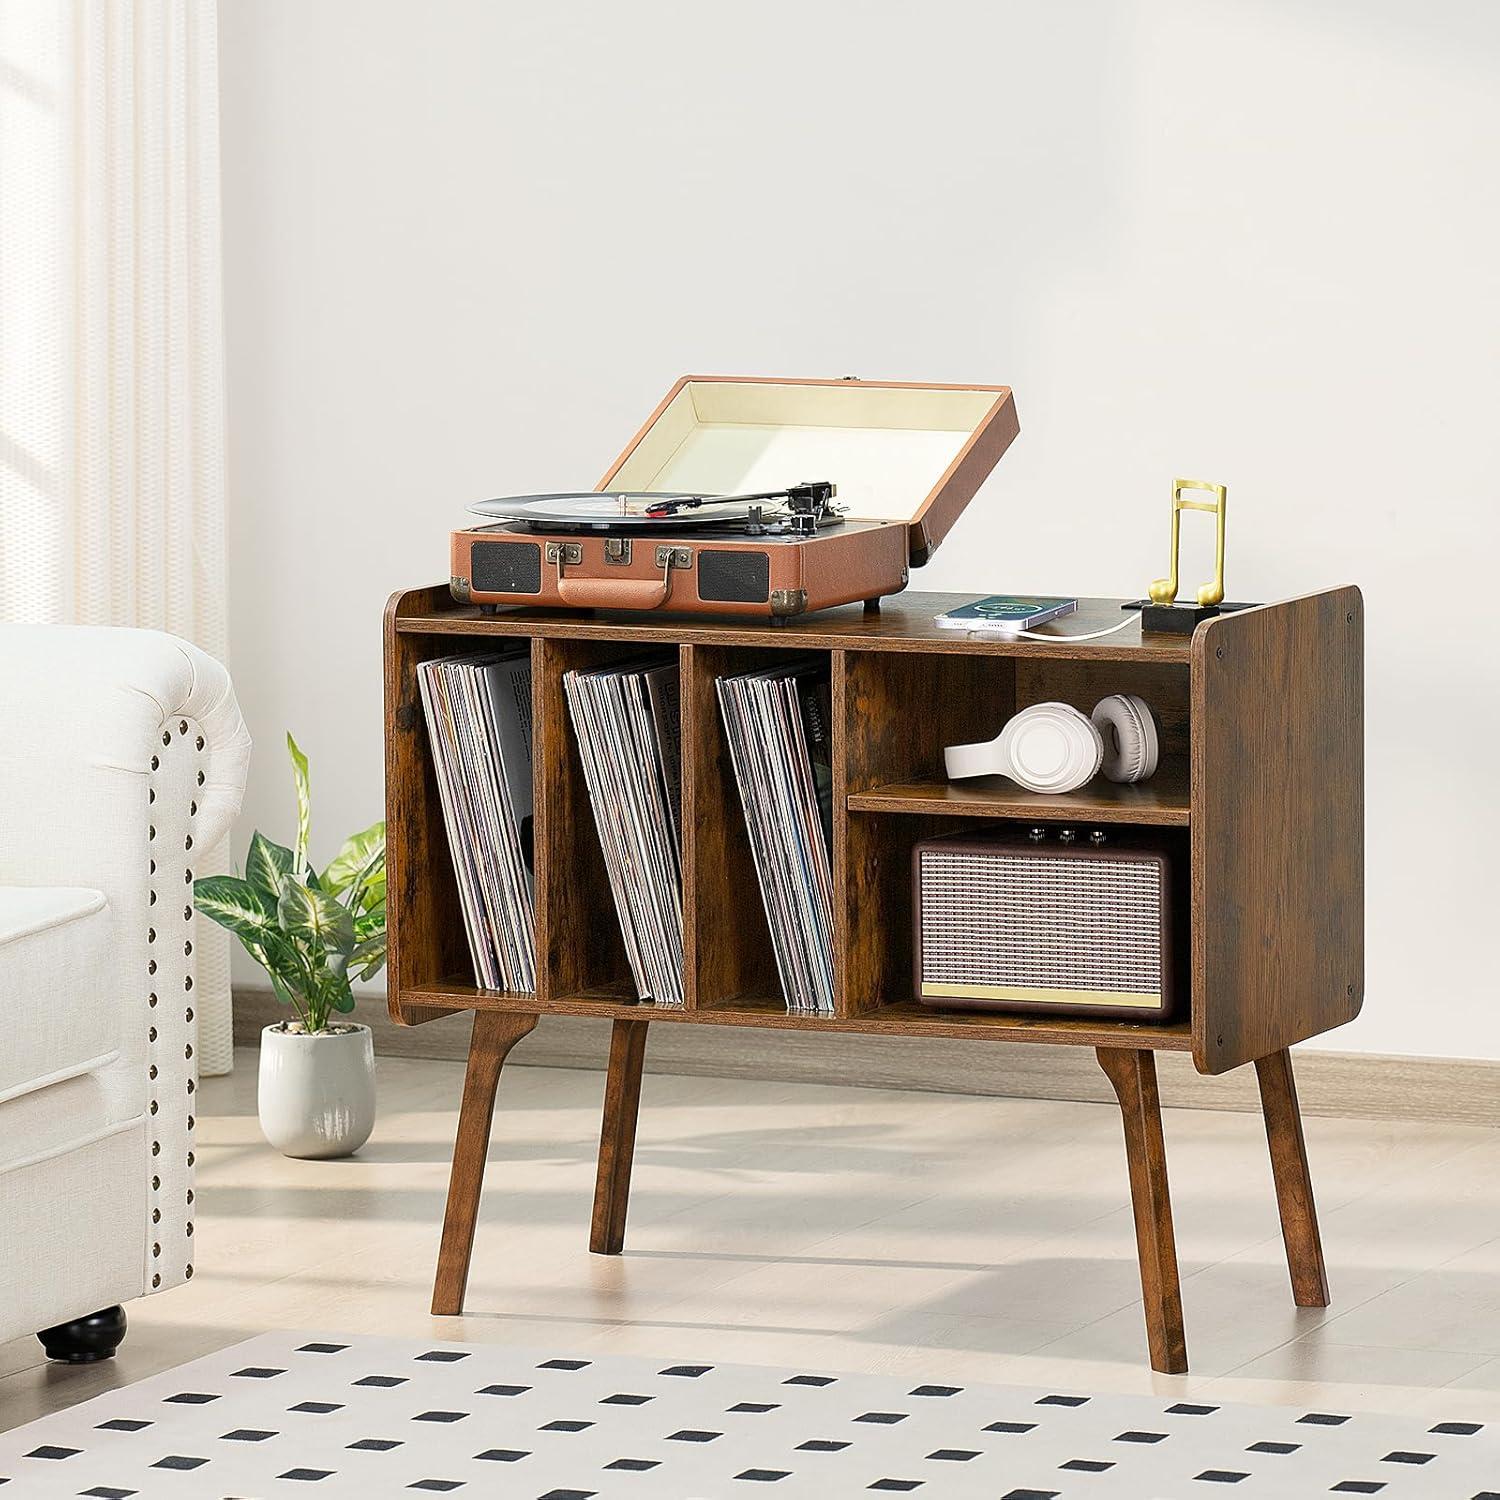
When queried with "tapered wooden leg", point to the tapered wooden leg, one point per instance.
{"points": [[1294, 1194], [622, 1101], [1133, 1074], [495, 1033]]}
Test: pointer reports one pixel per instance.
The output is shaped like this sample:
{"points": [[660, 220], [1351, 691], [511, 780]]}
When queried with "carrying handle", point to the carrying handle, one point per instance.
{"points": [[614, 593]]}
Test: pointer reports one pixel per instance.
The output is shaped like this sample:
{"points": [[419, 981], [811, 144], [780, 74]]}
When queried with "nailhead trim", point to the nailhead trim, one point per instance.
{"points": [[157, 967]]}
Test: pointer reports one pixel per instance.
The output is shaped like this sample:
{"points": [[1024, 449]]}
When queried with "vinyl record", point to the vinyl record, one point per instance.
{"points": [[612, 510]]}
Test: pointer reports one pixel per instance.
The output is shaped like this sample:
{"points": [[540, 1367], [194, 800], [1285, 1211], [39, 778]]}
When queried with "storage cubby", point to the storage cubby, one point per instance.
{"points": [[969, 698], [727, 943], [581, 955]]}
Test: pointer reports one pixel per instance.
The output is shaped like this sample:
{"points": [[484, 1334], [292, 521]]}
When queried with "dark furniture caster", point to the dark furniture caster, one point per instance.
{"points": [[85, 1340]]}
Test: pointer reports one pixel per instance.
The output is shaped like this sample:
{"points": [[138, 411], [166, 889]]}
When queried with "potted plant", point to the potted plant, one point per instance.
{"points": [[310, 932]]}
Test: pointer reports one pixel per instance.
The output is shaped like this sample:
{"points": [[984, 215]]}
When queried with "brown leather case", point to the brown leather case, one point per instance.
{"points": [[764, 577], [703, 573]]}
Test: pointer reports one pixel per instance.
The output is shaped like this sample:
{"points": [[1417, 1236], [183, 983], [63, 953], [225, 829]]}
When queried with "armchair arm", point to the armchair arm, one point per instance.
{"points": [[82, 711], [122, 762]]}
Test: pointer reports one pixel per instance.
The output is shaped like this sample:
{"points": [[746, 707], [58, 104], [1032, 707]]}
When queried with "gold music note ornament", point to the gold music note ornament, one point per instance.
{"points": [[1163, 613]]}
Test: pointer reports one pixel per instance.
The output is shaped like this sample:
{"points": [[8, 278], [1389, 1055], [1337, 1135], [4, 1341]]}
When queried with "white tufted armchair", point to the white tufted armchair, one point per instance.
{"points": [[122, 761]]}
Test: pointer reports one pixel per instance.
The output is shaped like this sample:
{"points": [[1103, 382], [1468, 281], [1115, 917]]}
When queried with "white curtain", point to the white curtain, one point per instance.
{"points": [[112, 494]]}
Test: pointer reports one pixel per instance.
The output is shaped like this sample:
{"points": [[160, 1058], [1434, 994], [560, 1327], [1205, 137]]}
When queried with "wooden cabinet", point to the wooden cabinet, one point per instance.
{"points": [[1261, 780]]}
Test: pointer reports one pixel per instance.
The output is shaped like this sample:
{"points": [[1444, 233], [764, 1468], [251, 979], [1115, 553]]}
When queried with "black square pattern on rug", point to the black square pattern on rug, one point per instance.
{"points": [[418, 1418]]}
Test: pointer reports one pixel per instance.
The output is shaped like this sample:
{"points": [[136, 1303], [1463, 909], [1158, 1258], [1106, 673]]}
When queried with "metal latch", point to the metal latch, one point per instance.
{"points": [[617, 550]]}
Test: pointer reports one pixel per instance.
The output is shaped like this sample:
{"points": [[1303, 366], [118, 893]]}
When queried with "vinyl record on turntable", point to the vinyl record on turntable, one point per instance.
{"points": [[626, 510]]}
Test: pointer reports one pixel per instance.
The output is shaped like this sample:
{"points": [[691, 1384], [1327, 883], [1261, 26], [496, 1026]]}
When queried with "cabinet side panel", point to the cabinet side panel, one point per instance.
{"points": [[424, 922], [1277, 826]]}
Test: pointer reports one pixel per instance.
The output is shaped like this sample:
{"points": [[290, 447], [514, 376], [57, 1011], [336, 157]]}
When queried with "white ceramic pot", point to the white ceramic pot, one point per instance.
{"points": [[317, 1093]]}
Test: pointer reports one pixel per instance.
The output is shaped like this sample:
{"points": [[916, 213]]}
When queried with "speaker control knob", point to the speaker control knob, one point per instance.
{"points": [[1098, 836], [1067, 836], [1037, 835]]}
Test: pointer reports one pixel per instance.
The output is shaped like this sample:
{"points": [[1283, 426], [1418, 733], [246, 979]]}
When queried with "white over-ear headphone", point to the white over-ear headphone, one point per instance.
{"points": [[1052, 747]]}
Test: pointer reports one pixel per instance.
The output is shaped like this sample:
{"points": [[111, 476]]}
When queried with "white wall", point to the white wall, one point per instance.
{"points": [[470, 244]]}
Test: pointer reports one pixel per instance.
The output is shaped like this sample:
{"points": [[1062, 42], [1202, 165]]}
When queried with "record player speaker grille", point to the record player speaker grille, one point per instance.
{"points": [[506, 568], [734, 577]]}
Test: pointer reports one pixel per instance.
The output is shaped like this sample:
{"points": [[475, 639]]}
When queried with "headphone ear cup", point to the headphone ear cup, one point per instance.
{"points": [[1051, 747], [1132, 742]]}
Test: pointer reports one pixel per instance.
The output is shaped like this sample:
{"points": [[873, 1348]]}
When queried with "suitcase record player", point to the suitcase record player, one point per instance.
{"points": [[747, 497]]}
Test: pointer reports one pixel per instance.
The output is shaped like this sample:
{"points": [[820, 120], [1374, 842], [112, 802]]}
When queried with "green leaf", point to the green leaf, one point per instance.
{"points": [[369, 956], [316, 919], [341, 996], [234, 903], [287, 996], [304, 799], [372, 897], [267, 865], [362, 855], [368, 924], [277, 954]]}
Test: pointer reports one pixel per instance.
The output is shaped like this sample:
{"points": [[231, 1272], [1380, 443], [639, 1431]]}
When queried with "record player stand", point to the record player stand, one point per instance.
{"points": [[1261, 788]]}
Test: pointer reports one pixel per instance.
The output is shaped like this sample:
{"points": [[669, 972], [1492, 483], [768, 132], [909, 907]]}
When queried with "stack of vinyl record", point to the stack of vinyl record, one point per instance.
{"points": [[626, 719], [478, 712], [778, 726]]}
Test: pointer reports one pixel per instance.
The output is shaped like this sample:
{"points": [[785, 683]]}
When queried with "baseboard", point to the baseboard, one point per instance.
{"points": [[1352, 1084]]}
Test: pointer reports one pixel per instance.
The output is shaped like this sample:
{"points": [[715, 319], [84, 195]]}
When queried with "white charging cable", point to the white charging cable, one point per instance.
{"points": [[1033, 635]]}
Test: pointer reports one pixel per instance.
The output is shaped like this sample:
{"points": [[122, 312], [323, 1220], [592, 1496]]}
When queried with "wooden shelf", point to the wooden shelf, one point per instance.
{"points": [[1161, 802], [904, 623], [901, 1019]]}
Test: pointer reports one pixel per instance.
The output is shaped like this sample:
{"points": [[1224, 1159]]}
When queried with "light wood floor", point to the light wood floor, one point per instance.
{"points": [[858, 1229]]}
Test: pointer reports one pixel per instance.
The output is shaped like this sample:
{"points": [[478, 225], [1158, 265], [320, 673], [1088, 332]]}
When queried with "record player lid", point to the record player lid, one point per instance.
{"points": [[897, 452]]}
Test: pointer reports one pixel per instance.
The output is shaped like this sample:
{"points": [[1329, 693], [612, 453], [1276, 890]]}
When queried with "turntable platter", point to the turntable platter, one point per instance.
{"points": [[628, 510]]}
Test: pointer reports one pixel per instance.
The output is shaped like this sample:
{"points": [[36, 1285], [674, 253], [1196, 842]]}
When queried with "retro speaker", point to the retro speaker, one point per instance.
{"points": [[1049, 920]]}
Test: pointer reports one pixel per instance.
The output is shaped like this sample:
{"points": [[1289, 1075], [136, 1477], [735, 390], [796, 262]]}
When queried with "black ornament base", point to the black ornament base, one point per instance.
{"points": [[85, 1340], [1178, 619]]}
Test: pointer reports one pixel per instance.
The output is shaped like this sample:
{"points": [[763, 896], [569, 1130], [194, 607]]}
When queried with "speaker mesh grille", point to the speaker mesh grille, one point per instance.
{"points": [[734, 577], [1036, 922], [506, 568]]}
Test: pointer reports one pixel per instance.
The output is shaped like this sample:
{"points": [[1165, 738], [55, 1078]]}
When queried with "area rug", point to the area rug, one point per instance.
{"points": [[293, 1414]]}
